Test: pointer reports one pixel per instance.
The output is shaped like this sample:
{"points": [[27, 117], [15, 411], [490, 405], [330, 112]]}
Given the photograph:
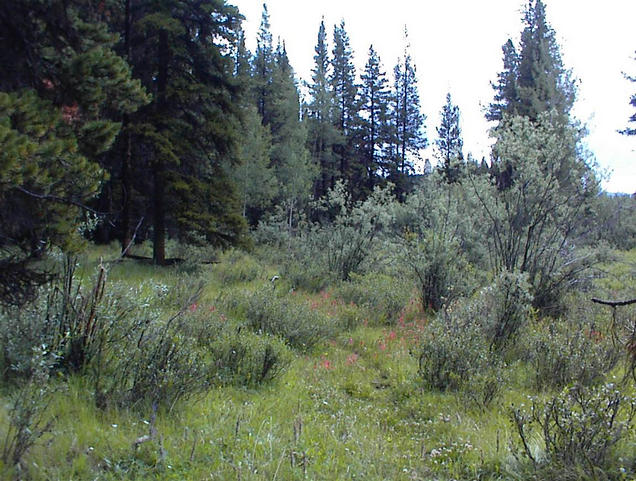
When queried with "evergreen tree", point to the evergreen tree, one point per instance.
{"points": [[345, 92], [407, 123], [534, 80], [242, 65], [632, 102], [255, 179], [254, 176], [62, 90], [449, 142], [290, 158], [374, 103], [264, 68], [185, 138], [322, 134], [506, 89]]}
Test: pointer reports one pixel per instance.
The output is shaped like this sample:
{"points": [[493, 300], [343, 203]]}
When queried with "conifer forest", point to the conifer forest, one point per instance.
{"points": [[212, 269]]}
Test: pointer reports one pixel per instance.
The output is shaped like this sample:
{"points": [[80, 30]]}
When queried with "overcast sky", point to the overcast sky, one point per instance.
{"points": [[456, 45]]}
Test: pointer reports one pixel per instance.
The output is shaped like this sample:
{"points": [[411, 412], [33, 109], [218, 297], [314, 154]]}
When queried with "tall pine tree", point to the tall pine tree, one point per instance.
{"points": [[254, 175], [290, 157], [449, 142], [264, 68], [534, 80], [506, 88], [345, 92], [187, 135], [322, 134], [374, 104], [407, 122]]}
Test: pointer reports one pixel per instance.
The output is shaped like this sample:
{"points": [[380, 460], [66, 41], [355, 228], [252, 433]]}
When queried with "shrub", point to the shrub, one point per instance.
{"points": [[28, 420], [267, 310], [67, 318], [159, 363], [244, 358], [565, 351], [380, 295], [120, 338], [455, 355], [236, 266], [439, 269], [536, 211], [579, 428], [508, 301], [343, 242]]}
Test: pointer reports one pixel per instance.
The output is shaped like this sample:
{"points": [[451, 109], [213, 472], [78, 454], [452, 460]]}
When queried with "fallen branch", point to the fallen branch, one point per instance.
{"points": [[614, 303]]}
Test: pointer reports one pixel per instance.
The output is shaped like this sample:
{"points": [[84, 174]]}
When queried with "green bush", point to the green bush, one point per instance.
{"points": [[236, 266], [580, 430], [128, 345], [280, 313], [439, 268], [455, 355], [508, 302], [245, 358], [343, 242], [564, 351], [382, 296]]}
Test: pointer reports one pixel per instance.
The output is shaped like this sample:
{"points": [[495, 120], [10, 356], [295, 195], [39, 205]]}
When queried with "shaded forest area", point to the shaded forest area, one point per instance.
{"points": [[203, 274]]}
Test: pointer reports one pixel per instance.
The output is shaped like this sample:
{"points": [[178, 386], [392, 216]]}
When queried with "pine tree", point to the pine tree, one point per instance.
{"points": [[264, 68], [62, 90], [534, 80], [632, 102], [254, 177], [186, 137], [290, 158], [322, 134], [506, 89], [374, 102], [345, 92], [449, 142], [242, 65], [543, 81], [407, 122]]}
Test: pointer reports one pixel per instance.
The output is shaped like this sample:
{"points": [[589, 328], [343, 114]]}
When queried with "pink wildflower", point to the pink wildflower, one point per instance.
{"points": [[326, 363]]}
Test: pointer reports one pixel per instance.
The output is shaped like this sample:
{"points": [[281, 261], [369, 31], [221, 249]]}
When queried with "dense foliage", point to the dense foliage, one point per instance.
{"points": [[286, 298]]}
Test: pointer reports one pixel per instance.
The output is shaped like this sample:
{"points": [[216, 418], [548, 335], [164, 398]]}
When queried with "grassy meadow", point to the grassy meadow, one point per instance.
{"points": [[325, 384]]}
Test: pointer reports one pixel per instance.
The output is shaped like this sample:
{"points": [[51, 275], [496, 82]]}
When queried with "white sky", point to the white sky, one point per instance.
{"points": [[456, 45]]}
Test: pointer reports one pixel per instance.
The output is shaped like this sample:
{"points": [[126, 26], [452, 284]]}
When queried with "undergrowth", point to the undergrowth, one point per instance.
{"points": [[225, 372]]}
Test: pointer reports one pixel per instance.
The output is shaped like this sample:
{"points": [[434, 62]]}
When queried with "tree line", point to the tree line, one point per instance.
{"points": [[147, 120]]}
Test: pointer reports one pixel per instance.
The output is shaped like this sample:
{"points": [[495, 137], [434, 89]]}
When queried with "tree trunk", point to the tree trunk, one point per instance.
{"points": [[126, 167], [159, 237], [159, 176]]}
